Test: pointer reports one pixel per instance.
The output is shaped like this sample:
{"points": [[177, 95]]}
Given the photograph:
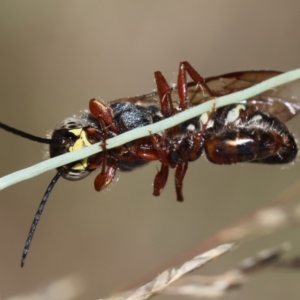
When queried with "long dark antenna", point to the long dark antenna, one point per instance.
{"points": [[38, 215], [26, 135]]}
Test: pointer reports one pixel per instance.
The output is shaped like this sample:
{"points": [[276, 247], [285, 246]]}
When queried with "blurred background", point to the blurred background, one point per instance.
{"points": [[57, 55]]}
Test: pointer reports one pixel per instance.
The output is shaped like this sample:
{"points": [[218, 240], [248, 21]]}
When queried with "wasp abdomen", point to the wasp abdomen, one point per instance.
{"points": [[250, 136]]}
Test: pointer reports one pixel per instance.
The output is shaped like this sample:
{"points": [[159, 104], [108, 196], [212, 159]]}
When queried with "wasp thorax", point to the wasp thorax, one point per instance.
{"points": [[73, 134]]}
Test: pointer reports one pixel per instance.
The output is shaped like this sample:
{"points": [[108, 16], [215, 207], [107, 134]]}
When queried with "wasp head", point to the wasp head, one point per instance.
{"points": [[75, 133]]}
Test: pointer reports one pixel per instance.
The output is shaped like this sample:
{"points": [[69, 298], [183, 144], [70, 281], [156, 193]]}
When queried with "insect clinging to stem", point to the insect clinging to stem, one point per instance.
{"points": [[250, 131]]}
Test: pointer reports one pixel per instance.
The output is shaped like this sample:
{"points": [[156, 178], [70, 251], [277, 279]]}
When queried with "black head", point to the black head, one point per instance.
{"points": [[73, 134], [70, 135]]}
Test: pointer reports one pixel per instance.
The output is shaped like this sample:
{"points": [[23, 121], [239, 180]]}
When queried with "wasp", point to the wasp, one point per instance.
{"points": [[250, 131]]}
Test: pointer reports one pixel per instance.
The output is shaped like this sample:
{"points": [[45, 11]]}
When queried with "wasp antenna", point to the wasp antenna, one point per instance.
{"points": [[38, 215], [26, 135]]}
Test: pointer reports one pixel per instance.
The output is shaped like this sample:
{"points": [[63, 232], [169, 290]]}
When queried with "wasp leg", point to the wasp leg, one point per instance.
{"points": [[105, 178], [164, 93], [107, 174], [146, 154], [184, 68], [103, 114], [179, 177], [160, 180]]}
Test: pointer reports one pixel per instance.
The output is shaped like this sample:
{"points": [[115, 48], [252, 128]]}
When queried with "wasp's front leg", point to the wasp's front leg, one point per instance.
{"points": [[105, 177], [103, 114]]}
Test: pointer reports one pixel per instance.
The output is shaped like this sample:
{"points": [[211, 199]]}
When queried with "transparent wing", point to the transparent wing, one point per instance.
{"points": [[282, 102]]}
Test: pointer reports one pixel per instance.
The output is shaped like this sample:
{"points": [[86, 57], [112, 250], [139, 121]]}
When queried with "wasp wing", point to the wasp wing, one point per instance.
{"points": [[282, 101]]}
